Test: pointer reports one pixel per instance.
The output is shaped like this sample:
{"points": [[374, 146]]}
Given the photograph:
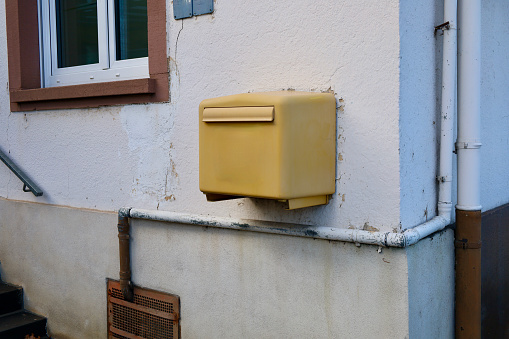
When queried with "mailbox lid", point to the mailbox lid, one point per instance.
{"points": [[277, 98]]}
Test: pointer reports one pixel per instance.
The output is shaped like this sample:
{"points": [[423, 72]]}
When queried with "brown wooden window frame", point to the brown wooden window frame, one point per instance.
{"points": [[25, 89]]}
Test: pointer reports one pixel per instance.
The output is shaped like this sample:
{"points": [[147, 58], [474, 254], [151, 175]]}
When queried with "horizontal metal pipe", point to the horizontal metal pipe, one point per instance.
{"points": [[386, 239]]}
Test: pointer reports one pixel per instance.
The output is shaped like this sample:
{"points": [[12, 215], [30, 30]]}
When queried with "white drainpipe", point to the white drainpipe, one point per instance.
{"points": [[449, 62], [386, 239], [390, 239], [469, 107]]}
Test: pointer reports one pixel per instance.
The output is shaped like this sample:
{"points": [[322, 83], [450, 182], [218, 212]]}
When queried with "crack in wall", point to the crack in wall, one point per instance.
{"points": [[176, 50]]}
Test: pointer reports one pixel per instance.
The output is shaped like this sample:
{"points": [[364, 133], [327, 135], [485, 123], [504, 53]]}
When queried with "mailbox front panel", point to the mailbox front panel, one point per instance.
{"points": [[239, 158]]}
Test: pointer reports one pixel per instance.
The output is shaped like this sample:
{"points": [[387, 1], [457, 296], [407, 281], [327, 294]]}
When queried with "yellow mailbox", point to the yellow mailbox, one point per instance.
{"points": [[274, 145]]}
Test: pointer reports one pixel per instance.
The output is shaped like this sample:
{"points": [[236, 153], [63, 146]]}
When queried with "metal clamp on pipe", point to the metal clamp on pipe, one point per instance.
{"points": [[467, 145], [466, 245]]}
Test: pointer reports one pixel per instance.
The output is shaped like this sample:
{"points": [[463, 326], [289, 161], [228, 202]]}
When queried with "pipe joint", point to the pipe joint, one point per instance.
{"points": [[445, 210], [464, 244], [125, 275], [469, 207], [123, 236], [124, 212], [468, 145], [127, 289]]}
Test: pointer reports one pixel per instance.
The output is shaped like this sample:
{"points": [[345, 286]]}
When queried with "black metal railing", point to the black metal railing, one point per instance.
{"points": [[28, 184]]}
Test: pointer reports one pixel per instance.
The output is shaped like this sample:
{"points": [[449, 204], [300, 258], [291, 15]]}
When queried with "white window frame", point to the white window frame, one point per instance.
{"points": [[107, 69]]}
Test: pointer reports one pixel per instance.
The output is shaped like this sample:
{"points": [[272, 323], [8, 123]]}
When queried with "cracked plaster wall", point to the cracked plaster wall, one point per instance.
{"points": [[380, 59], [146, 156]]}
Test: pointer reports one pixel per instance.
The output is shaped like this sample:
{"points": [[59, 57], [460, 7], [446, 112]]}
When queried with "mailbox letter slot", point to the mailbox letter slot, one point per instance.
{"points": [[238, 114]]}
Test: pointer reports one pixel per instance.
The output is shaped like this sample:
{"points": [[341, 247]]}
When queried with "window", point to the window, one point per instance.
{"points": [[86, 53], [87, 41]]}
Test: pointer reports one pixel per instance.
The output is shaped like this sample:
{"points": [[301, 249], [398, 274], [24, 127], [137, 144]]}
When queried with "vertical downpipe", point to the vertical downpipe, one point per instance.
{"points": [[468, 209], [448, 109], [125, 256], [468, 274]]}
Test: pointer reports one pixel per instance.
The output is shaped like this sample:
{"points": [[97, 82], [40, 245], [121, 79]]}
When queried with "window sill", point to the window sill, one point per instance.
{"points": [[24, 66], [87, 95]]}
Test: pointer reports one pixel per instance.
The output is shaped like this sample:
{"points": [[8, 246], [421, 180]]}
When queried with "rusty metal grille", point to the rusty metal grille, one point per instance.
{"points": [[151, 315], [146, 301]]}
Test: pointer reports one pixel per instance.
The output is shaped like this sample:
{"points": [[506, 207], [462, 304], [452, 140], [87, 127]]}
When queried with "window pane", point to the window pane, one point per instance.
{"points": [[77, 32], [131, 29]]}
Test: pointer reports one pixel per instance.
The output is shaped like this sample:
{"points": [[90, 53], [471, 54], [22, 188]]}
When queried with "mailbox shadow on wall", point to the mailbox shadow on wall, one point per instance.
{"points": [[274, 145]]}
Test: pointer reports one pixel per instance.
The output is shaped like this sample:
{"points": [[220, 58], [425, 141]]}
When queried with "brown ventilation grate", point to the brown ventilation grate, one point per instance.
{"points": [[151, 315]]}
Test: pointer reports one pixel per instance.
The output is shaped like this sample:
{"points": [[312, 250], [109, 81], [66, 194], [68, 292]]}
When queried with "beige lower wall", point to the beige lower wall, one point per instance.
{"points": [[431, 287], [232, 284], [61, 256]]}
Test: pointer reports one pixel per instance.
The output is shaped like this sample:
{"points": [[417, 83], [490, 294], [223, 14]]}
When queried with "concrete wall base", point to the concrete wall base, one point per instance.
{"points": [[232, 284]]}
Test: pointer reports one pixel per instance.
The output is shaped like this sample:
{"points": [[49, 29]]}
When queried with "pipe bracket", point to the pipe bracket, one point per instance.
{"points": [[467, 145], [444, 178], [442, 27], [464, 244]]}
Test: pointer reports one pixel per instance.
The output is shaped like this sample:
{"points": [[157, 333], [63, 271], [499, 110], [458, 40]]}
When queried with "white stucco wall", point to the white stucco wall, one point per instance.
{"points": [[494, 104], [431, 287], [420, 82], [146, 156], [382, 61]]}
